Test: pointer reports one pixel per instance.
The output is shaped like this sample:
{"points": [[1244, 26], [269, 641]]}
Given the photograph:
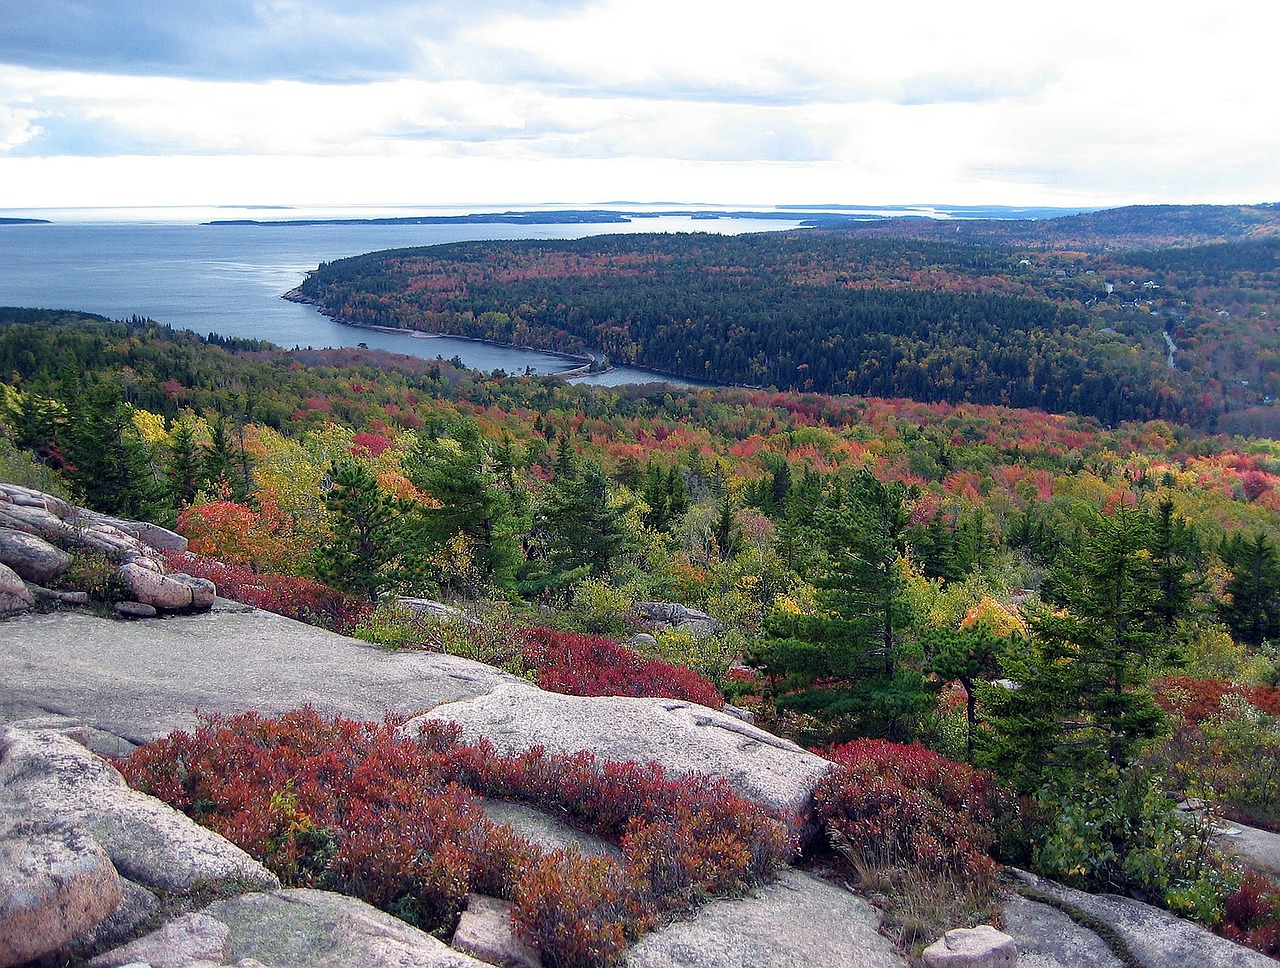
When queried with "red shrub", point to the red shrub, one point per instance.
{"points": [[590, 665], [1195, 700], [1252, 914], [903, 804], [360, 808], [296, 598]]}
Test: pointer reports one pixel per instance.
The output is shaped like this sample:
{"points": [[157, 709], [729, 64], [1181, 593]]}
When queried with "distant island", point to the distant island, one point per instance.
{"points": [[25, 221], [792, 213]]}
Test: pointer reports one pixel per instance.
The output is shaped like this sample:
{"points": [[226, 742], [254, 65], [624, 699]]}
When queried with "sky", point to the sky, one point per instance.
{"points": [[717, 102]]}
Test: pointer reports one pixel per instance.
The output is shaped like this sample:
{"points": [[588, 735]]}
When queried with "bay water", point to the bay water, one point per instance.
{"points": [[230, 279]]}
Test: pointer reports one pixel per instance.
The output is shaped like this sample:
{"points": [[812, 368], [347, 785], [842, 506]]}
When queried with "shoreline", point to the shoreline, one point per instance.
{"points": [[581, 363]]}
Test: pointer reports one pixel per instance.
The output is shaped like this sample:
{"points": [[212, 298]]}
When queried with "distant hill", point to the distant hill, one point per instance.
{"points": [[1131, 227], [984, 312]]}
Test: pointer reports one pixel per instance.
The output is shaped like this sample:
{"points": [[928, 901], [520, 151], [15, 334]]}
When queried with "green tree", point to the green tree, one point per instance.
{"points": [[369, 533], [1251, 607], [1174, 549], [967, 656], [1082, 702], [108, 464], [578, 529], [184, 471], [847, 664], [474, 491]]}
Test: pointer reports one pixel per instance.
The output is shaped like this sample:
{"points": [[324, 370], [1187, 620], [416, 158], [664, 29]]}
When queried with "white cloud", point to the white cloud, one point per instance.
{"points": [[937, 101]]}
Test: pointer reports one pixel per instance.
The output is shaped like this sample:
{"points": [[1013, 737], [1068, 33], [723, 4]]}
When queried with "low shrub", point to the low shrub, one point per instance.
{"points": [[298, 598], [915, 829], [1251, 914], [1117, 832], [590, 665], [902, 805], [361, 809]]}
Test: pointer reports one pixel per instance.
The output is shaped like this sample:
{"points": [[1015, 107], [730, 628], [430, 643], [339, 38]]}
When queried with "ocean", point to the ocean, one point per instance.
{"points": [[229, 279]]}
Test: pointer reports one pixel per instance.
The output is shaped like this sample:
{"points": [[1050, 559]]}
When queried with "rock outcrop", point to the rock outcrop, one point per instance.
{"points": [[1156, 938], [56, 884], [47, 775], [315, 929], [980, 947], [682, 737], [41, 536], [797, 920]]}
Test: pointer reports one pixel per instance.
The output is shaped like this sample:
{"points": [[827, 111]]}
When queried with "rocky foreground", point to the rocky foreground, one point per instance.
{"points": [[93, 872]]}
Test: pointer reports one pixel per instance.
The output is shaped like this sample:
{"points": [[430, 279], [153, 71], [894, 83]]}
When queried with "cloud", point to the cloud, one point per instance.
{"points": [[320, 41], [1098, 97]]}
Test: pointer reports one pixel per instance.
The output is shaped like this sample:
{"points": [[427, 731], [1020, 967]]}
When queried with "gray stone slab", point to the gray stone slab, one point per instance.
{"points": [[1157, 938], [142, 680], [682, 737], [547, 831], [316, 929], [797, 920], [1259, 849], [1047, 938]]}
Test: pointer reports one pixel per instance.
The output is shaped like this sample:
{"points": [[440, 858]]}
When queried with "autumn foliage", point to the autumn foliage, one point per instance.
{"points": [[302, 599], [591, 665], [900, 804], [364, 809]]}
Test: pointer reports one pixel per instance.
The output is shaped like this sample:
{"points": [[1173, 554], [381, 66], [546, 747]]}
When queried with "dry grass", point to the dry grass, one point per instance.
{"points": [[918, 907]]}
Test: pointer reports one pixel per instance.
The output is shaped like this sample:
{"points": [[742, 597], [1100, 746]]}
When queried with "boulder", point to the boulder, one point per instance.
{"points": [[796, 920], [137, 907], [1157, 938], [30, 497], [163, 592], [14, 595], [151, 535], [682, 737], [979, 947], [56, 883], [487, 931], [135, 610], [49, 776], [203, 591], [188, 939], [314, 929], [34, 559]]}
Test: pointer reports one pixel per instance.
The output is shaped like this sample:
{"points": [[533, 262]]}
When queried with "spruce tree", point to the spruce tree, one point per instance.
{"points": [[184, 471], [369, 533], [1251, 607], [1083, 702], [847, 664]]}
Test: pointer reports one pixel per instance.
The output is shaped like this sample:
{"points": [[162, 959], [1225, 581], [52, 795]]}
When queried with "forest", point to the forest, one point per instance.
{"points": [[872, 567], [867, 312]]}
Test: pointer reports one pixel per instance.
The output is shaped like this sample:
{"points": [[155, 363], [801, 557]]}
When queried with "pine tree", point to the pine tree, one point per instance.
{"points": [[369, 533], [1174, 550], [108, 464], [969, 657], [184, 471], [847, 665], [1251, 608], [579, 529], [1082, 702], [475, 502]]}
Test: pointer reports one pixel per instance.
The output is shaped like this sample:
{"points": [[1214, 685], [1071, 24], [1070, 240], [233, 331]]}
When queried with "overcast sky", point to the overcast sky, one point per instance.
{"points": [[741, 102]]}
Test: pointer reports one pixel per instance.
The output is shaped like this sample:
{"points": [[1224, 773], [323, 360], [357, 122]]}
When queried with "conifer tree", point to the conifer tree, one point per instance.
{"points": [[184, 471], [369, 533], [1082, 702], [847, 665], [1251, 608], [108, 464]]}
